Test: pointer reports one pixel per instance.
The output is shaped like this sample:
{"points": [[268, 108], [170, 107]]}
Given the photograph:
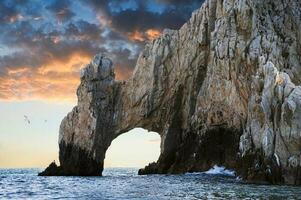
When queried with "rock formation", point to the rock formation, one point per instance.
{"points": [[221, 90]]}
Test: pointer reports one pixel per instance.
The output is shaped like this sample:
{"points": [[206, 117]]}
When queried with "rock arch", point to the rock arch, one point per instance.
{"points": [[136, 148], [221, 90]]}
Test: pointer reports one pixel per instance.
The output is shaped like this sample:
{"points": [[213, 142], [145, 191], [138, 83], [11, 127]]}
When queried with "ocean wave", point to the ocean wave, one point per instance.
{"points": [[220, 170], [120, 183]]}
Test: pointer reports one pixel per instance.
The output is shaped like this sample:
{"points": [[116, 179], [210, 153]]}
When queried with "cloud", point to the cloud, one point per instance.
{"points": [[148, 35], [44, 44], [124, 63], [54, 81], [179, 2], [61, 10], [145, 16], [37, 48], [143, 20], [7, 13]]}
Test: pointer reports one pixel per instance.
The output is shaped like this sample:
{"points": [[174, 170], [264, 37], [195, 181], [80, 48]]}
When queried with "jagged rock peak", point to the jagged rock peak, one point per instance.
{"points": [[101, 67], [222, 90]]}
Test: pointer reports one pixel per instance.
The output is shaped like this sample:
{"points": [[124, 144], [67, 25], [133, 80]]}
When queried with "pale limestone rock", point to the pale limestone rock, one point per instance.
{"points": [[280, 129]]}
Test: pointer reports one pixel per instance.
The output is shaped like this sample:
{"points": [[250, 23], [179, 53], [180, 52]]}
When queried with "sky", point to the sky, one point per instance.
{"points": [[43, 46]]}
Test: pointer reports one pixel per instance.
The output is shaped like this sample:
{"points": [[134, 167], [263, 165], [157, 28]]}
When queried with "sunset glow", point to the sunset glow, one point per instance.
{"points": [[43, 46]]}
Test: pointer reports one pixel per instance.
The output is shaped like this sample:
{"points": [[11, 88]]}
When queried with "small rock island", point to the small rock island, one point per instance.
{"points": [[222, 90]]}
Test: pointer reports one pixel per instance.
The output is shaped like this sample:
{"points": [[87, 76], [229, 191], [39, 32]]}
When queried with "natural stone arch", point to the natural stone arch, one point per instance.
{"points": [[108, 108], [101, 116], [229, 78], [133, 149], [167, 93]]}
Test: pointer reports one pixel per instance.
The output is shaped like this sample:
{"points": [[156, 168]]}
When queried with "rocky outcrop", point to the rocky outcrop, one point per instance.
{"points": [[272, 136], [221, 90]]}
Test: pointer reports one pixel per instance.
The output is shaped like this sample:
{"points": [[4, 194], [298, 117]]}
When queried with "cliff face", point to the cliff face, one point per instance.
{"points": [[221, 90]]}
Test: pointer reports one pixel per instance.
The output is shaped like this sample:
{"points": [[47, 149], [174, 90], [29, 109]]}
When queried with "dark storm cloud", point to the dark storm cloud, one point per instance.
{"points": [[38, 47], [61, 9], [144, 19], [127, 21], [7, 12], [175, 13], [12, 11], [83, 30], [179, 2], [98, 4], [124, 63]]}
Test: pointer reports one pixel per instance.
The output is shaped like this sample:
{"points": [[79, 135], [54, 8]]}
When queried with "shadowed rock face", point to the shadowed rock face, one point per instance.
{"points": [[221, 90]]}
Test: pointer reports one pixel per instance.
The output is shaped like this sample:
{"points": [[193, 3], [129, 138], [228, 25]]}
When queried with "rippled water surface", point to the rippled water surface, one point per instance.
{"points": [[126, 184]]}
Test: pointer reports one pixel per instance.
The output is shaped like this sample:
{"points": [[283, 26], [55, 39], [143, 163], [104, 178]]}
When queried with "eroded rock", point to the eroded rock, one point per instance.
{"points": [[221, 90]]}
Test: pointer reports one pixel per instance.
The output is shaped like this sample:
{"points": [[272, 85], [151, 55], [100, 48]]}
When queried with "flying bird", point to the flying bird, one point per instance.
{"points": [[26, 119]]}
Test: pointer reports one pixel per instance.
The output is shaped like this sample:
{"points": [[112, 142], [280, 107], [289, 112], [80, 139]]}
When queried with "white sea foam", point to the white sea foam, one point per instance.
{"points": [[216, 170]]}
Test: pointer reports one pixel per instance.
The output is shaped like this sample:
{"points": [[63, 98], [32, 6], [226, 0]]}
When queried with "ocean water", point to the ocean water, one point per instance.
{"points": [[121, 183]]}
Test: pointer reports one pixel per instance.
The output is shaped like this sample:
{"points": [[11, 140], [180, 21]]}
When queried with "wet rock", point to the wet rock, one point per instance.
{"points": [[51, 170], [152, 168]]}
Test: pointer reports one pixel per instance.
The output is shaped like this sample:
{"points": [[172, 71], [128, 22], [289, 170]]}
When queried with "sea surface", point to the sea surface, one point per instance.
{"points": [[124, 183]]}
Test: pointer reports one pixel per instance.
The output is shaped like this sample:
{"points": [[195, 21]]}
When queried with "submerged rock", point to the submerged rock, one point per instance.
{"points": [[222, 90]]}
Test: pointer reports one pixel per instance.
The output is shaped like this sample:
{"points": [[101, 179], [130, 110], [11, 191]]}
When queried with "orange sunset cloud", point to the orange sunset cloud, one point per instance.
{"points": [[136, 36], [150, 34], [55, 81]]}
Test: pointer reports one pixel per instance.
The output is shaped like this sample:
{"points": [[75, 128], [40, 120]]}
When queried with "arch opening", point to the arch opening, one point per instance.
{"points": [[134, 149]]}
